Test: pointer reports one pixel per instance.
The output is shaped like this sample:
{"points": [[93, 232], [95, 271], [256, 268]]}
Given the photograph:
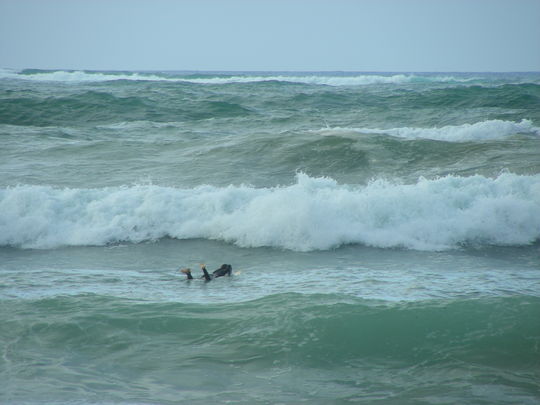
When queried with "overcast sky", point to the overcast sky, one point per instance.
{"points": [[316, 35]]}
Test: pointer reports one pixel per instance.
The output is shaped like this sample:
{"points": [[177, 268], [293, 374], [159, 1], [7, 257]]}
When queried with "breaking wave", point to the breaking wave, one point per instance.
{"points": [[480, 131], [312, 214], [348, 79]]}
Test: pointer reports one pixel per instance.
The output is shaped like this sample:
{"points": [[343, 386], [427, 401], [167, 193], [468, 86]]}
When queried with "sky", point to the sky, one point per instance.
{"points": [[271, 35]]}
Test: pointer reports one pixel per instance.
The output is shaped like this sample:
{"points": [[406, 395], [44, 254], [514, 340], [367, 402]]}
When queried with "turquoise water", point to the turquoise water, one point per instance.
{"points": [[383, 229]]}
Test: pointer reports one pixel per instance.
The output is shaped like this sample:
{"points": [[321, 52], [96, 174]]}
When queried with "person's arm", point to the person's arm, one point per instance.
{"points": [[205, 273]]}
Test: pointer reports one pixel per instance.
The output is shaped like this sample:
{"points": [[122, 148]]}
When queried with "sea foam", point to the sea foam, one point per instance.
{"points": [[85, 76], [359, 79], [479, 131], [311, 214]]}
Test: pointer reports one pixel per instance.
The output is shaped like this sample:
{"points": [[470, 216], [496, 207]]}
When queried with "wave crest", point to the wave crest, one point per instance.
{"points": [[328, 79], [84, 76], [312, 214], [480, 131]]}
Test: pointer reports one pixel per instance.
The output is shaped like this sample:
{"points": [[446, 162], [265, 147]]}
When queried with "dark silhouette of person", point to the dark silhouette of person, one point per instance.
{"points": [[224, 270]]}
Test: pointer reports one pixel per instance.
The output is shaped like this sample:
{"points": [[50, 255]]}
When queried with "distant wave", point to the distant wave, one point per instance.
{"points": [[312, 214], [217, 79], [480, 131], [77, 76], [315, 79], [82, 76]]}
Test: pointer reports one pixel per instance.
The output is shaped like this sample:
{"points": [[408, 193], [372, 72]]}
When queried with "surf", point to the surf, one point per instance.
{"points": [[314, 213], [334, 79], [479, 131]]}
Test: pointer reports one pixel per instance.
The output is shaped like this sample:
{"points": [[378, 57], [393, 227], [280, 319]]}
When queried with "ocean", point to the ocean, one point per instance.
{"points": [[383, 230]]}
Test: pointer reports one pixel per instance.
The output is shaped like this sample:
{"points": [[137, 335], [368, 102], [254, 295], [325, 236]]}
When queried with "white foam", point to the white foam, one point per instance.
{"points": [[312, 214], [316, 79], [77, 76], [344, 79], [480, 131]]}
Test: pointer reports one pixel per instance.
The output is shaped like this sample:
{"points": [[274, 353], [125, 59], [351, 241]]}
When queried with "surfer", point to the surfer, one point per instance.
{"points": [[224, 270]]}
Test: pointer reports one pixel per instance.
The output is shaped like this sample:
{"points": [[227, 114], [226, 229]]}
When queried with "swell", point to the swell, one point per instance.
{"points": [[101, 107], [526, 96], [505, 96], [306, 330], [312, 214], [110, 103], [177, 154]]}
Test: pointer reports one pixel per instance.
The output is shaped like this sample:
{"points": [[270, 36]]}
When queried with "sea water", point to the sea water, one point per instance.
{"points": [[383, 228]]}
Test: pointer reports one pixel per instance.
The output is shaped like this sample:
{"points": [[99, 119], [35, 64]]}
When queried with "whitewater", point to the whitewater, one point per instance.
{"points": [[383, 228], [313, 214]]}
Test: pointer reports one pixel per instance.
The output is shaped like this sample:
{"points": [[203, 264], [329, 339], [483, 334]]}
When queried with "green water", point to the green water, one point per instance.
{"points": [[383, 230]]}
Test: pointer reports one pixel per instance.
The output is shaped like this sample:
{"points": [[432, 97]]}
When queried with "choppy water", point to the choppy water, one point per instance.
{"points": [[384, 230]]}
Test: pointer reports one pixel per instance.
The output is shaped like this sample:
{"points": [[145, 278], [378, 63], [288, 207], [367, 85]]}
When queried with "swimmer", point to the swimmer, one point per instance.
{"points": [[224, 270]]}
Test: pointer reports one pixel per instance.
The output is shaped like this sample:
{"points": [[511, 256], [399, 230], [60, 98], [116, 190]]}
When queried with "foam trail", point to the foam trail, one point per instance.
{"points": [[312, 214], [480, 131], [79, 76], [314, 79]]}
